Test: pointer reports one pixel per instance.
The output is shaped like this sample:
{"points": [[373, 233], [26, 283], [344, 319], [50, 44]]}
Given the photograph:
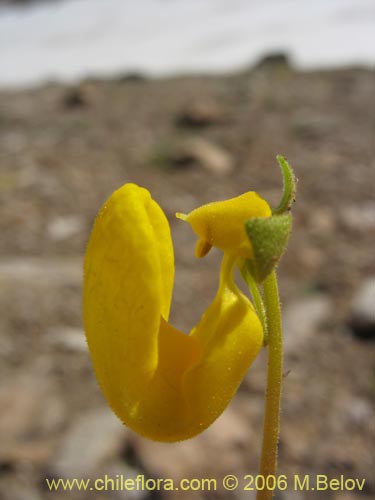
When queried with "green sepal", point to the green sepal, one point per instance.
{"points": [[269, 237], [289, 191]]}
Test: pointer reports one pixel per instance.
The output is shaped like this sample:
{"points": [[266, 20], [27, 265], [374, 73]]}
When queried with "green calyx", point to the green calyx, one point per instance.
{"points": [[269, 237]]}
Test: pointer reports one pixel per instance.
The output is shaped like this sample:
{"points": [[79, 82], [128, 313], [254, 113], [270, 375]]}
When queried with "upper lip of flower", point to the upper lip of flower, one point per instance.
{"points": [[222, 224]]}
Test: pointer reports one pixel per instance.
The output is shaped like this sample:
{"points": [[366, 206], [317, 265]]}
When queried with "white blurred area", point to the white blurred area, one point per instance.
{"points": [[71, 39]]}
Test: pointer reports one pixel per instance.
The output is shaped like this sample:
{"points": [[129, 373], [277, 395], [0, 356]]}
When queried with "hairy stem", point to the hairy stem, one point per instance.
{"points": [[271, 428]]}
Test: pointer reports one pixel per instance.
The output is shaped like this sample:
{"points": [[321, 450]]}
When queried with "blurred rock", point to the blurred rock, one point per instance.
{"points": [[359, 217], [31, 412], [273, 60], [119, 469], [201, 152], [357, 412], [22, 453], [61, 228], [29, 406], [166, 460], [96, 436], [75, 98], [346, 495], [201, 114], [72, 339], [322, 221], [222, 448], [133, 77], [19, 491], [39, 269], [211, 156], [308, 124], [302, 319], [362, 315], [289, 495]]}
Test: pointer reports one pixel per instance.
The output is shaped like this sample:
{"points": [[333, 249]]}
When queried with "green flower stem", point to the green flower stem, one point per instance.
{"points": [[271, 428]]}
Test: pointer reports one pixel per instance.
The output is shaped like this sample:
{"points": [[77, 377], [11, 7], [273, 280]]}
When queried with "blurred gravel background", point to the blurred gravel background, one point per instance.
{"points": [[190, 140]]}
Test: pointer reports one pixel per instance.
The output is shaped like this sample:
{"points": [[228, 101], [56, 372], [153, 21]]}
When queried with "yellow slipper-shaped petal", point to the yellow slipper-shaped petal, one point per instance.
{"points": [[164, 384]]}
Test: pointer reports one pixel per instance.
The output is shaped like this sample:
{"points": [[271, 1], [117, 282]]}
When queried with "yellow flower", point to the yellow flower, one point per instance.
{"points": [[162, 383], [222, 224]]}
